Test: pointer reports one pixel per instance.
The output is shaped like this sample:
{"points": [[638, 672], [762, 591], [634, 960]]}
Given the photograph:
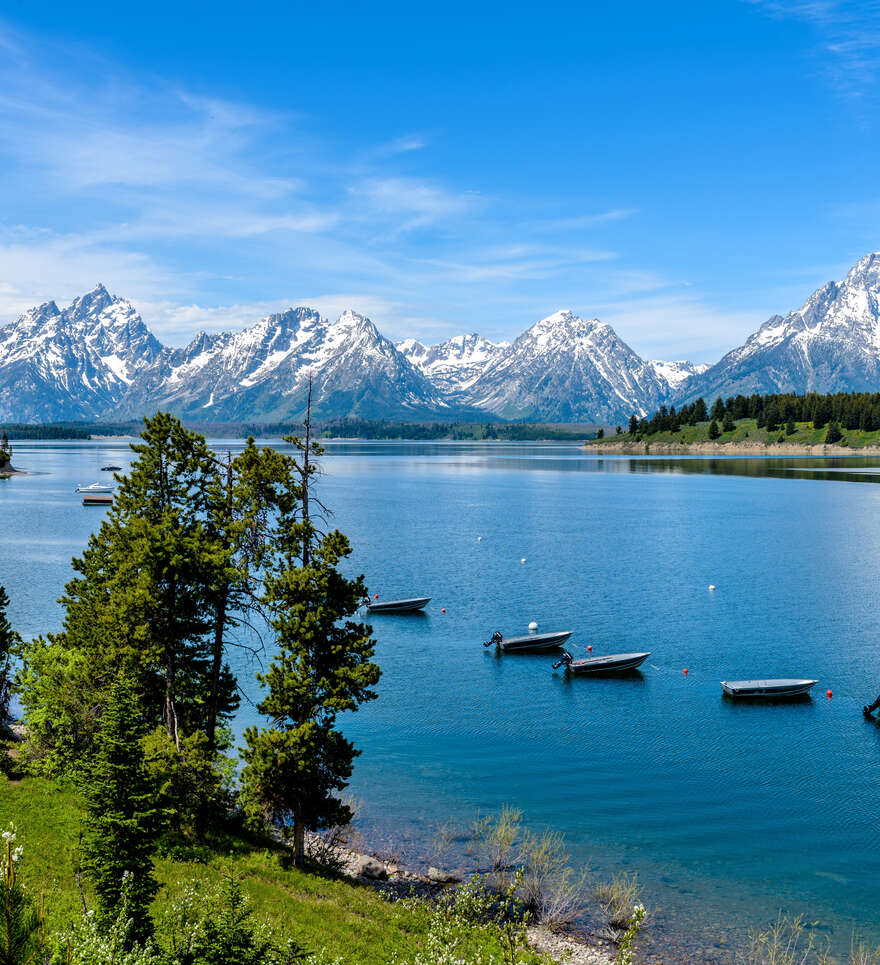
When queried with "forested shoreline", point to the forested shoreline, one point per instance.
{"points": [[845, 419]]}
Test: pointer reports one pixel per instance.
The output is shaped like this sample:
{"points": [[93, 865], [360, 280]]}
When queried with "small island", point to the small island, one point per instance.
{"points": [[6, 467], [809, 424]]}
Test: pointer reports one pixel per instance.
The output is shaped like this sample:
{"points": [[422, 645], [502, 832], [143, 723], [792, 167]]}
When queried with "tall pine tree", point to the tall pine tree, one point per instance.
{"points": [[295, 767], [121, 820]]}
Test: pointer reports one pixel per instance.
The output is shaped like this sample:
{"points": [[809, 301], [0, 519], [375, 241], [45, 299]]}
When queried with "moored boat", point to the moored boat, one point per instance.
{"points": [[783, 687], [98, 499], [530, 643], [95, 487], [611, 663], [397, 606]]}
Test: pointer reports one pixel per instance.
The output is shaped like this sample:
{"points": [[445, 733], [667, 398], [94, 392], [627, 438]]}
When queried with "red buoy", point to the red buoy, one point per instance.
{"points": [[443, 609], [376, 597], [828, 694], [685, 671]]}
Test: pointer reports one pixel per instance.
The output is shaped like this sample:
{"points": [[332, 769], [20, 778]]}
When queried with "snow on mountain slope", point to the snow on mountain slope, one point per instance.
{"points": [[454, 365], [73, 363], [263, 372], [568, 369], [830, 344], [675, 374]]}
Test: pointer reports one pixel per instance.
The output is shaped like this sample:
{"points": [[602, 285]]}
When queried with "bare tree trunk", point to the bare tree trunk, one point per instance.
{"points": [[307, 541], [220, 621], [299, 843]]}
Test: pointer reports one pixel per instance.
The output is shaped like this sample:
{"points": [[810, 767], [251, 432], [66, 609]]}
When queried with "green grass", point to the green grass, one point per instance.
{"points": [[321, 913], [747, 430]]}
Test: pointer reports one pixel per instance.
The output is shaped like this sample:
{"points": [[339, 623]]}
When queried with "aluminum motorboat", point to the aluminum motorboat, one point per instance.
{"points": [[611, 663], [397, 606], [531, 643], [784, 687]]}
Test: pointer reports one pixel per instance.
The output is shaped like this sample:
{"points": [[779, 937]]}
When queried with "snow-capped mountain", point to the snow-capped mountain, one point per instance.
{"points": [[72, 364], [454, 365], [96, 359], [830, 344], [263, 372], [568, 369], [676, 374]]}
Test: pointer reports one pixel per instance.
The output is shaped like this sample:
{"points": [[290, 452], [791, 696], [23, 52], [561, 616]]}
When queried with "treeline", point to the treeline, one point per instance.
{"points": [[20, 430], [131, 700], [849, 410], [463, 431]]}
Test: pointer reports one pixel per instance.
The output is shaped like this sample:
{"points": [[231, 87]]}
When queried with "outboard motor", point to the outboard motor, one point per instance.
{"points": [[566, 659], [496, 638]]}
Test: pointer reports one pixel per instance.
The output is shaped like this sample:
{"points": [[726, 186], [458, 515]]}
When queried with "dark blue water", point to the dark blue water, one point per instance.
{"points": [[727, 811]]}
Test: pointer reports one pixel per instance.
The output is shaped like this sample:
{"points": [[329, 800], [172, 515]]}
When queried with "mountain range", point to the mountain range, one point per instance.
{"points": [[97, 360]]}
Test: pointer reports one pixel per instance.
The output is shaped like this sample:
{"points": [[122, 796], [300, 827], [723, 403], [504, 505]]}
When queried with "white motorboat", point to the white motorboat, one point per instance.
{"points": [[95, 487]]}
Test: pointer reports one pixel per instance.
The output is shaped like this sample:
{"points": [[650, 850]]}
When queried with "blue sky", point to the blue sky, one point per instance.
{"points": [[681, 170]]}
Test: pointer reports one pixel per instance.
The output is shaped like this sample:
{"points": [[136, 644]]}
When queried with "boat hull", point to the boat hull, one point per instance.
{"points": [[98, 499], [535, 642], [772, 689], [612, 663], [399, 606], [96, 488]]}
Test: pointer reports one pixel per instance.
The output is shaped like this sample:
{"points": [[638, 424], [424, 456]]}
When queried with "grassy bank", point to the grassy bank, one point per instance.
{"points": [[746, 431], [321, 913]]}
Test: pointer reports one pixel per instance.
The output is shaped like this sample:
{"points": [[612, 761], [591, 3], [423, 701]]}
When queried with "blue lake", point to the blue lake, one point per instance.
{"points": [[728, 812]]}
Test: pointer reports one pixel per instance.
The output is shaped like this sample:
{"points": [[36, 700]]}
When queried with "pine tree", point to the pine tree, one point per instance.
{"points": [[294, 768], [633, 425], [600, 434], [714, 431], [9, 639], [718, 410], [728, 424], [790, 428], [701, 413], [121, 820], [833, 434]]}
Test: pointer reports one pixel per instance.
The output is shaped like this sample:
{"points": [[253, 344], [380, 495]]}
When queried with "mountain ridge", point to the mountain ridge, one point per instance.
{"points": [[97, 359]]}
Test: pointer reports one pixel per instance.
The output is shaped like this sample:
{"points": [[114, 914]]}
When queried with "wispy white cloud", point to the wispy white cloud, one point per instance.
{"points": [[411, 202], [582, 222], [849, 38]]}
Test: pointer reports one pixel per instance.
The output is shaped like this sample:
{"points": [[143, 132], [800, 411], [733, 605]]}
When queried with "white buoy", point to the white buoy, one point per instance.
{"points": [[711, 586], [479, 539], [533, 625], [523, 560]]}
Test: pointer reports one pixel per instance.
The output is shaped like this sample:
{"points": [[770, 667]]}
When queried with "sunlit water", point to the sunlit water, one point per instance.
{"points": [[727, 811]]}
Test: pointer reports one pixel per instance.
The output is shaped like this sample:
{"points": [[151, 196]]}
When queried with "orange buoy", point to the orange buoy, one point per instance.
{"points": [[828, 694], [685, 671], [589, 646], [376, 597]]}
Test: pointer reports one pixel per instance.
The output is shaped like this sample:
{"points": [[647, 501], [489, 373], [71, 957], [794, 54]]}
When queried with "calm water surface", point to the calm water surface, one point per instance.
{"points": [[727, 811]]}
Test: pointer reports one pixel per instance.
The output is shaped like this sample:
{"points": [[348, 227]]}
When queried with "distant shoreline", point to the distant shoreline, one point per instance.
{"points": [[729, 448]]}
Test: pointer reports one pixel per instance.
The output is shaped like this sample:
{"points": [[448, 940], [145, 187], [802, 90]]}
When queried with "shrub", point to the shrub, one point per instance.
{"points": [[618, 900], [22, 933], [551, 889], [785, 942], [87, 943], [218, 929]]}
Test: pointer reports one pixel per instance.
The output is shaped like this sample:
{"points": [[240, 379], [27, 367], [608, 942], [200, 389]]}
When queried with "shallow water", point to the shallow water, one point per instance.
{"points": [[727, 811]]}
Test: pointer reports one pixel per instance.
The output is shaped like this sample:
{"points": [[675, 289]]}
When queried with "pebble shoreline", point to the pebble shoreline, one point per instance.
{"points": [[572, 949]]}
